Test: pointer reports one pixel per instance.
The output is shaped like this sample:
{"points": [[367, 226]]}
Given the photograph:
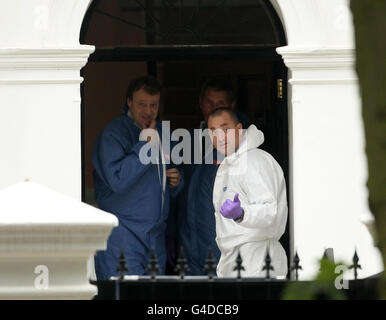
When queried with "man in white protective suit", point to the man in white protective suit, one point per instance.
{"points": [[249, 198]]}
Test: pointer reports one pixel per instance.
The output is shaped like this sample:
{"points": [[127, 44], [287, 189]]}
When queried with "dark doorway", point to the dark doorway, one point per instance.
{"points": [[182, 43]]}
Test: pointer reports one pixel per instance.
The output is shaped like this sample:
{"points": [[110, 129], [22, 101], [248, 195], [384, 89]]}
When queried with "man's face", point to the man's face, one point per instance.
{"points": [[144, 107], [212, 100], [226, 135]]}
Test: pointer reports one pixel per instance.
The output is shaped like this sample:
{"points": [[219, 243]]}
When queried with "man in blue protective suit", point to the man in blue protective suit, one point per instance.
{"points": [[135, 190], [195, 219]]}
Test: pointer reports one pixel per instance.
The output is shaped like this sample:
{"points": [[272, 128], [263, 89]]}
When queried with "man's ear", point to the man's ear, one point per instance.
{"points": [[129, 102], [239, 125]]}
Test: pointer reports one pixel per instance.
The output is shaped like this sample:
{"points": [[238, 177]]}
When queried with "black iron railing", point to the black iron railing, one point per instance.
{"points": [[210, 287]]}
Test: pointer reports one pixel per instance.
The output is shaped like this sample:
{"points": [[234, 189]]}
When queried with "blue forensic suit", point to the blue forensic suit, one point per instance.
{"points": [[132, 191]]}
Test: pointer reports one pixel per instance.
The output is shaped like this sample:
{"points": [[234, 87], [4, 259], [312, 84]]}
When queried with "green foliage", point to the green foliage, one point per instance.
{"points": [[322, 288], [369, 18]]}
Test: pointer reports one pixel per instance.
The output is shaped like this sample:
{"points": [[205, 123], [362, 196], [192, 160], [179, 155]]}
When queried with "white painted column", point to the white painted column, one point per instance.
{"points": [[328, 162], [40, 138], [40, 63], [40, 129]]}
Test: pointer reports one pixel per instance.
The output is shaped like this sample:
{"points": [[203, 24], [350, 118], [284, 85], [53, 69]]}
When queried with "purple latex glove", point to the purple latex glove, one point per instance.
{"points": [[232, 209]]}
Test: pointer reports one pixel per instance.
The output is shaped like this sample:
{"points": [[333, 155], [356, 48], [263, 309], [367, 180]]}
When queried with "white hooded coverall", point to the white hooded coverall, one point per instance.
{"points": [[259, 180]]}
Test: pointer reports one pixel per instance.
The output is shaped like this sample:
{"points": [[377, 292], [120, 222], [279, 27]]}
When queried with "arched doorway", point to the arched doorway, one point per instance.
{"points": [[182, 43]]}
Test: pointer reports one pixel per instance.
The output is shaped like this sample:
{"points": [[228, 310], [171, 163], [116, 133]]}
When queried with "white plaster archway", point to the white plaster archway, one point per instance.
{"points": [[40, 61]]}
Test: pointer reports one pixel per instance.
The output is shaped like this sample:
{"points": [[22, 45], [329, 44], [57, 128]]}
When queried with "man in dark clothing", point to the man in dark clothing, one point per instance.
{"points": [[195, 216], [131, 188]]}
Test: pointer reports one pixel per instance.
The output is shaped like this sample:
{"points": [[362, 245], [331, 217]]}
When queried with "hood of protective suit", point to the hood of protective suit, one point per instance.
{"points": [[252, 139], [258, 179]]}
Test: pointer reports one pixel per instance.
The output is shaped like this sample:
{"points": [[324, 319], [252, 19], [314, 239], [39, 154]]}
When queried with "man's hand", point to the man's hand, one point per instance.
{"points": [[232, 209], [151, 124], [149, 133], [173, 176]]}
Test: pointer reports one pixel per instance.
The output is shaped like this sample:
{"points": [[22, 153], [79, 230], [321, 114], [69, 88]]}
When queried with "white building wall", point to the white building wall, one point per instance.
{"points": [[40, 60], [40, 137], [328, 168]]}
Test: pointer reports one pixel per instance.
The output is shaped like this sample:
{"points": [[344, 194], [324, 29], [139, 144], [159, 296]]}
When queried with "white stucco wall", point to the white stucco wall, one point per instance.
{"points": [[40, 59], [40, 137], [40, 62], [328, 168]]}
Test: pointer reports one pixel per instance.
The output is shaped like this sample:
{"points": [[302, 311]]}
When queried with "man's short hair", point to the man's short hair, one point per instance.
{"points": [[149, 83], [218, 84], [221, 110]]}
